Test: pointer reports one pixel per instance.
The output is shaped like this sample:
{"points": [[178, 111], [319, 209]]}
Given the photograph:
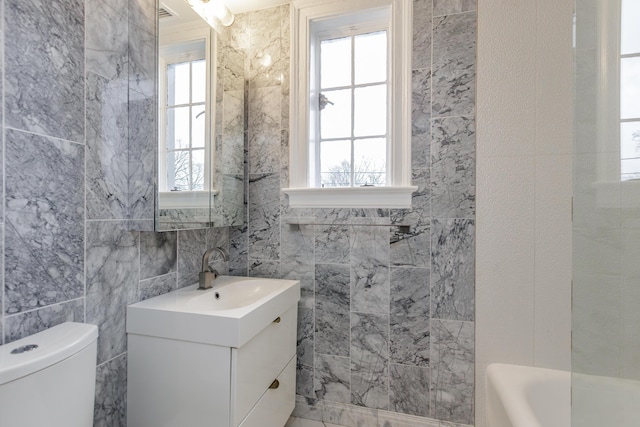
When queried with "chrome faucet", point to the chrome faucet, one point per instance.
{"points": [[208, 274]]}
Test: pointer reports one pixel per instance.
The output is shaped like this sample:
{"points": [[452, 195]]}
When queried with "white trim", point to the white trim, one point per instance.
{"points": [[303, 13], [351, 197]]}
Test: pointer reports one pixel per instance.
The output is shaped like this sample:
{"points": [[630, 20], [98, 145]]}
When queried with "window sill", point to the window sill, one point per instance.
{"points": [[185, 199], [360, 197]]}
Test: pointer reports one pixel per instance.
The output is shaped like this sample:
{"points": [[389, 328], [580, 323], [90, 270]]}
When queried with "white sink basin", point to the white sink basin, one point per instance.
{"points": [[229, 314]]}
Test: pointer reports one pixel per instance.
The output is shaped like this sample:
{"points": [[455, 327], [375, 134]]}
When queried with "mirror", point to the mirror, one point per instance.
{"points": [[200, 162]]}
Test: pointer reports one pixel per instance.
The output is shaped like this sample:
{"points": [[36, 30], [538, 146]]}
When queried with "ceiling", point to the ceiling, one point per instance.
{"points": [[242, 6], [182, 9]]}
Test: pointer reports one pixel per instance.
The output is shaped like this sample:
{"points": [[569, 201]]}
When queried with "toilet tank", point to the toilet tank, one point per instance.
{"points": [[48, 379]]}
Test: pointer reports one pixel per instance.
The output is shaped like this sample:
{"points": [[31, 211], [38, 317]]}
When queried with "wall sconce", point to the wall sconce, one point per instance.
{"points": [[210, 9]]}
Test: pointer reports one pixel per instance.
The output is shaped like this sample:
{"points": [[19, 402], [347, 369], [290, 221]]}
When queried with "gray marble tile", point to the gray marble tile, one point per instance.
{"points": [[265, 55], [369, 360], [142, 60], [157, 286], [453, 269], [454, 68], [308, 408], [32, 322], [448, 7], [410, 249], [304, 350], [112, 283], [107, 143], [229, 204], [264, 268], [409, 320], [238, 251], [395, 419], [264, 130], [453, 168], [110, 408], [44, 67], [337, 414], [143, 14], [192, 245], [409, 390], [420, 118], [232, 62], [332, 378], [264, 217], [141, 155], [332, 244], [44, 221], [297, 259], [370, 269], [422, 25], [452, 382], [158, 254], [332, 309], [107, 39]]}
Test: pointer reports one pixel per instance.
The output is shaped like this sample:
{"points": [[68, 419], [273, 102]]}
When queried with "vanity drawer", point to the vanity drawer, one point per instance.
{"points": [[257, 363], [276, 405]]}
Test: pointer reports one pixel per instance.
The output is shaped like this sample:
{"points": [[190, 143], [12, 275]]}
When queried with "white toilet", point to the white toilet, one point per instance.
{"points": [[48, 379]]}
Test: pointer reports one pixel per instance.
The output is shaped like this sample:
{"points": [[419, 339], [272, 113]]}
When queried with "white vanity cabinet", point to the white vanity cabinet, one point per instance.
{"points": [[185, 383]]}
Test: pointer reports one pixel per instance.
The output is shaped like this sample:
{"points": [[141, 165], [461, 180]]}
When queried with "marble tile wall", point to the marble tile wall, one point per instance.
{"points": [[78, 106], [386, 320]]}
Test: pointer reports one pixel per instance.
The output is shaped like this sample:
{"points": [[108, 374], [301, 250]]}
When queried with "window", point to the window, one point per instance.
{"points": [[629, 90], [185, 125], [351, 94], [185, 151]]}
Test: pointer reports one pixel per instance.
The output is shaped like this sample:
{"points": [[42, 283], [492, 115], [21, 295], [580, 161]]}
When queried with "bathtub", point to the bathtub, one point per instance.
{"points": [[522, 396]]}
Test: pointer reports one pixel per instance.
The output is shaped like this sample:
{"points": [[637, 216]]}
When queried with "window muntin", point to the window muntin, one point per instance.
{"points": [[352, 90], [184, 147], [629, 90]]}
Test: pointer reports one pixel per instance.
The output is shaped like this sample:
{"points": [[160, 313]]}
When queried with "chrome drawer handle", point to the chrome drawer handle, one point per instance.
{"points": [[274, 385], [277, 320]]}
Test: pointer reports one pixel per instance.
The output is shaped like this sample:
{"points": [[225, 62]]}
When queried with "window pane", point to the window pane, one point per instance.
{"points": [[178, 170], [178, 83], [199, 85], [198, 122], [371, 58], [178, 128], [370, 162], [335, 62], [335, 117], [198, 169], [630, 150], [370, 111], [630, 88], [335, 163], [630, 30]]}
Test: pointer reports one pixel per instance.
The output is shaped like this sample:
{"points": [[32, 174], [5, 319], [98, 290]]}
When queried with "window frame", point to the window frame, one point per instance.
{"points": [[197, 198], [305, 14]]}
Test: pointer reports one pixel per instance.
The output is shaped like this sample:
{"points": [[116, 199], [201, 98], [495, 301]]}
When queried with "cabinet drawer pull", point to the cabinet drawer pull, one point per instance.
{"points": [[277, 320], [274, 385]]}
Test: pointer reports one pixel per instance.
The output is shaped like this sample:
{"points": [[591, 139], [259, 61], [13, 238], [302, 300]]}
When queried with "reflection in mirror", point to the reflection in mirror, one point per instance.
{"points": [[201, 123]]}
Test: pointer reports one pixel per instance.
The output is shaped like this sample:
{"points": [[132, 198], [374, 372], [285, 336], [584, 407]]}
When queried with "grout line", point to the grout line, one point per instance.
{"points": [[42, 308]]}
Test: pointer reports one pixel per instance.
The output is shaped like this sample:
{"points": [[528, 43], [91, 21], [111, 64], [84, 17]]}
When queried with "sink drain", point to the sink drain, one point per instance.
{"points": [[217, 295]]}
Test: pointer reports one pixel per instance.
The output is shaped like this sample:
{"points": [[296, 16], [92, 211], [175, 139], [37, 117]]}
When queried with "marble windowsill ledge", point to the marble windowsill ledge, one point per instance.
{"points": [[351, 197]]}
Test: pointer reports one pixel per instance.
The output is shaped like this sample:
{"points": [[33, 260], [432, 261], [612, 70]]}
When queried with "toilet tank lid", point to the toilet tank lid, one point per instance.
{"points": [[54, 345]]}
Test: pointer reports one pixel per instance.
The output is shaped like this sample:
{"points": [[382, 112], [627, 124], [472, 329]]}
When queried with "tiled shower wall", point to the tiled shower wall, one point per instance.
{"points": [[386, 320], [78, 86]]}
